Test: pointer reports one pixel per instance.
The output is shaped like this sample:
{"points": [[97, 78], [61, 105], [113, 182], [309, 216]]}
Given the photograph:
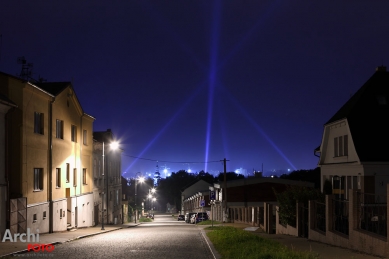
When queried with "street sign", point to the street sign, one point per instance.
{"points": [[202, 203], [212, 195]]}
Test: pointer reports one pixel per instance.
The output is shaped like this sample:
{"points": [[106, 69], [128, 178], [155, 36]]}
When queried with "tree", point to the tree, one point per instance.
{"points": [[288, 198], [312, 176], [229, 176], [169, 189]]}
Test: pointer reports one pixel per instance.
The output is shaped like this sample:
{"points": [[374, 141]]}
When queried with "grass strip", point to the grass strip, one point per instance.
{"points": [[233, 243]]}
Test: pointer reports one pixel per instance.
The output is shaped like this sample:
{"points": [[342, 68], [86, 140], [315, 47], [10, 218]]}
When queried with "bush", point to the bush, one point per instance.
{"points": [[287, 202]]}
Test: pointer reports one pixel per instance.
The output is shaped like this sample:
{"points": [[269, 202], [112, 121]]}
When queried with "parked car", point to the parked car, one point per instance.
{"points": [[188, 216], [201, 216], [198, 217], [180, 217]]}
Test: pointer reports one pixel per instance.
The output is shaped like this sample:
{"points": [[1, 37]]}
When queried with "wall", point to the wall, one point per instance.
{"points": [[41, 224], [357, 239]]}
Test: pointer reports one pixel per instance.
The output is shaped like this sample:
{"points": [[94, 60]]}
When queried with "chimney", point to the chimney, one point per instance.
{"points": [[381, 68]]}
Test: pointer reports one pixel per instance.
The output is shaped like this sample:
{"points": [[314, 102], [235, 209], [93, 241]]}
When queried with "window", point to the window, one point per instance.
{"points": [[336, 147], [67, 172], [60, 213], [85, 137], [74, 177], [74, 133], [44, 215], [38, 122], [59, 129], [34, 218], [84, 175], [58, 174], [345, 145], [38, 179], [341, 146]]}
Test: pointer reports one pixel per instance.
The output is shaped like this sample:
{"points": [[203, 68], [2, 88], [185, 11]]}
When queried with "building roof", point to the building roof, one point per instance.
{"points": [[53, 88], [367, 113], [5, 100]]}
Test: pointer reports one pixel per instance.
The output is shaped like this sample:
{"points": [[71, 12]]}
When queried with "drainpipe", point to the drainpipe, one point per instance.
{"points": [[7, 200], [50, 172]]}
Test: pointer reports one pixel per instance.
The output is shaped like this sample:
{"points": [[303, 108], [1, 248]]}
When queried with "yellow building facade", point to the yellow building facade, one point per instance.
{"points": [[50, 153]]}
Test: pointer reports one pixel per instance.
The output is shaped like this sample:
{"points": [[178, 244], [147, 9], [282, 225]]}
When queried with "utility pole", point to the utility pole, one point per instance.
{"points": [[225, 189]]}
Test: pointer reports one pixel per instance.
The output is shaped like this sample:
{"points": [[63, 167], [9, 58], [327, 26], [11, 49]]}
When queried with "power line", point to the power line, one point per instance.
{"points": [[165, 161]]}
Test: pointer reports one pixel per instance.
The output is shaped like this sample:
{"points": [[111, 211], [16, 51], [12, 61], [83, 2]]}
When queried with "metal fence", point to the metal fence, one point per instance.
{"points": [[319, 222], [340, 213], [372, 213]]}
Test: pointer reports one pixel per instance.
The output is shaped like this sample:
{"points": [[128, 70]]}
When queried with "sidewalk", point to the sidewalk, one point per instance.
{"points": [[8, 248], [324, 251]]}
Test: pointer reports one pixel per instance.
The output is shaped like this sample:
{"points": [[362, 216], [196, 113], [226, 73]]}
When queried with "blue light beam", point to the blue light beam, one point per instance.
{"points": [[258, 128], [212, 74]]}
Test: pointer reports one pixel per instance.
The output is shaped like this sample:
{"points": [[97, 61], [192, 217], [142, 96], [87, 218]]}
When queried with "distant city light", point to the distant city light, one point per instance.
{"points": [[288, 170]]}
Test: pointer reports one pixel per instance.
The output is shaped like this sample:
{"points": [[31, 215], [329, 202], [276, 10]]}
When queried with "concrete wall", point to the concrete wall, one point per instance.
{"points": [[41, 223], [59, 215], [357, 239], [80, 209]]}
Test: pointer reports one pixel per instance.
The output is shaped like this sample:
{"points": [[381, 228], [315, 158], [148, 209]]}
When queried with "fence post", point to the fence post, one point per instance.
{"points": [[329, 212], [352, 208], [387, 211]]}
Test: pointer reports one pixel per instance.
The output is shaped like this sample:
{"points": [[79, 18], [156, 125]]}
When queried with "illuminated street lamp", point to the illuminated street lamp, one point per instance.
{"points": [[140, 179], [150, 196], [114, 145]]}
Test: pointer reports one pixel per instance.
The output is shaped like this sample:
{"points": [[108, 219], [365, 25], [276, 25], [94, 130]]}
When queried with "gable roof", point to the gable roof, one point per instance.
{"points": [[53, 88], [367, 113]]}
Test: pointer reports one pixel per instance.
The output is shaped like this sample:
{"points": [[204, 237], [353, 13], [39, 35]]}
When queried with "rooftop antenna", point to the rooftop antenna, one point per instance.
{"points": [[26, 68]]}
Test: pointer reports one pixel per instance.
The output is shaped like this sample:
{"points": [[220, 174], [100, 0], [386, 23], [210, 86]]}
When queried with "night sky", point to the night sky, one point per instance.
{"points": [[185, 82]]}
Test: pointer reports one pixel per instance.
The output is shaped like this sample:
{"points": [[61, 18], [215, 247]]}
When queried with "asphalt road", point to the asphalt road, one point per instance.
{"points": [[163, 238]]}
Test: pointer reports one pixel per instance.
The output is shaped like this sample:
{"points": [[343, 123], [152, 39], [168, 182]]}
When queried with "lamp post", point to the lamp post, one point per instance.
{"points": [[150, 196], [141, 179], [114, 145]]}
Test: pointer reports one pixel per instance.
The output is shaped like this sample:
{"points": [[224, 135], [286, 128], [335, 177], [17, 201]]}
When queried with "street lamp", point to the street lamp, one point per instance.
{"points": [[140, 179], [114, 145], [150, 196]]}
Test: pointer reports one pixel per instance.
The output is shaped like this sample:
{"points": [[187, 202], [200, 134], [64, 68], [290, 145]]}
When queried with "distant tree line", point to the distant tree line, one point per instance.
{"points": [[169, 189]]}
